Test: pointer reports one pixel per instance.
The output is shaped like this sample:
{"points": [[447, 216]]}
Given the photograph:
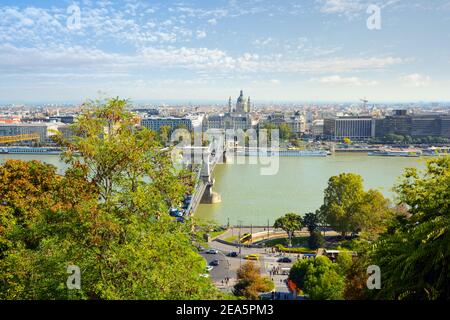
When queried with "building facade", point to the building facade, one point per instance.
{"points": [[419, 125], [355, 128], [190, 123], [228, 121], [296, 122], [317, 128], [44, 130]]}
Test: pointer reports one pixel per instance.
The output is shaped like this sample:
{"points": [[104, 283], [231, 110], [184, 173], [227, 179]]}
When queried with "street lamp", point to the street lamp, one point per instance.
{"points": [[239, 243]]}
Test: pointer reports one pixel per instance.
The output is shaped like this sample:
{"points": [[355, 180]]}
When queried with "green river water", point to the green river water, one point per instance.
{"points": [[298, 186]]}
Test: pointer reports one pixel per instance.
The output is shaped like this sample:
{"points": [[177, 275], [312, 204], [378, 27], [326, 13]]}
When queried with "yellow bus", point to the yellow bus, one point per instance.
{"points": [[247, 237]]}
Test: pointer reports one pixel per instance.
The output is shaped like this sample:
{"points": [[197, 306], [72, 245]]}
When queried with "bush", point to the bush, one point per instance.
{"points": [[282, 248]]}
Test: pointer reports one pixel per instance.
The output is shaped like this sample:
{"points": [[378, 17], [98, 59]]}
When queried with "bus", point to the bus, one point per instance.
{"points": [[246, 238]]}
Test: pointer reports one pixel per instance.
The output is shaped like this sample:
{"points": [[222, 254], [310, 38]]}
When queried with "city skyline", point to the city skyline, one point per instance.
{"points": [[311, 51]]}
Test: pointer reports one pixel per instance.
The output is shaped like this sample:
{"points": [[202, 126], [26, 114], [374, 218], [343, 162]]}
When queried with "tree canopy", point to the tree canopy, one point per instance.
{"points": [[290, 223], [348, 208], [250, 282], [108, 215], [318, 278], [414, 256]]}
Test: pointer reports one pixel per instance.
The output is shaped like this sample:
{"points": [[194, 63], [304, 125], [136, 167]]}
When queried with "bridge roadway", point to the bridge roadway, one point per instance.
{"points": [[204, 178]]}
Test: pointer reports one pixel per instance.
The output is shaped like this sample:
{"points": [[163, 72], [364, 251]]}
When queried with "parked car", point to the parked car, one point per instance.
{"points": [[285, 260], [175, 212], [252, 257], [212, 251], [205, 275], [214, 263], [209, 268], [232, 254]]}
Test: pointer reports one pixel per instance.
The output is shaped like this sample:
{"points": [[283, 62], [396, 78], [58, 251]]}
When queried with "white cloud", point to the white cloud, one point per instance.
{"points": [[100, 22], [262, 41], [416, 80], [341, 6], [352, 8], [212, 22], [60, 58], [201, 34], [347, 81]]}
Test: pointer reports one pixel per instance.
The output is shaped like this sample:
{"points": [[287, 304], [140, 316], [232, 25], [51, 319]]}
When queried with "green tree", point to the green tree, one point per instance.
{"points": [[312, 222], [318, 278], [374, 216], [342, 201], [285, 131], [164, 134], [414, 255], [344, 261], [290, 223], [315, 240], [250, 282], [108, 215], [348, 208]]}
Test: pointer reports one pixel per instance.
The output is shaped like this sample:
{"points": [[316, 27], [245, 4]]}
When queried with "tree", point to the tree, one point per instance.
{"points": [[414, 256], [315, 240], [344, 261], [318, 278], [374, 215], [348, 208], [250, 282], [290, 223], [356, 280], [108, 215], [164, 134], [285, 131], [312, 222], [341, 201]]}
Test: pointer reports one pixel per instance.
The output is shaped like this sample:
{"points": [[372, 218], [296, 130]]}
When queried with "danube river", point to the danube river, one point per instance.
{"points": [[298, 186]]}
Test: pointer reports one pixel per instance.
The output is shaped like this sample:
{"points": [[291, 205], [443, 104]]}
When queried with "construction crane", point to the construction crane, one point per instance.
{"points": [[20, 137], [365, 101]]}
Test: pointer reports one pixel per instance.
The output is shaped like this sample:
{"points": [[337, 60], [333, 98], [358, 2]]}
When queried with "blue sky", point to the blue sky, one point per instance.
{"points": [[291, 50]]}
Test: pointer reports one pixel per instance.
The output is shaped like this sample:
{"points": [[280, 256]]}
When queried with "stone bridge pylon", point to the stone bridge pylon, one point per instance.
{"points": [[209, 162]]}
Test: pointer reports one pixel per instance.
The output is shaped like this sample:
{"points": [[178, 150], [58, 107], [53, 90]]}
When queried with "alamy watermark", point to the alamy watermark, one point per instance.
{"points": [[374, 280], [374, 20], [74, 279], [73, 21]]}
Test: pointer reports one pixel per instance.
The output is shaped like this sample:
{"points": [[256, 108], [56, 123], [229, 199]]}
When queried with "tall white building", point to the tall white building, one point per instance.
{"points": [[191, 123]]}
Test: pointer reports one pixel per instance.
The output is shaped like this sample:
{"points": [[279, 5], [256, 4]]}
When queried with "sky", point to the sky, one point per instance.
{"points": [[208, 50]]}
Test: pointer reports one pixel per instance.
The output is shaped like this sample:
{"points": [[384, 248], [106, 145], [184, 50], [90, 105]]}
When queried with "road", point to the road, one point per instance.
{"points": [[222, 271], [229, 265]]}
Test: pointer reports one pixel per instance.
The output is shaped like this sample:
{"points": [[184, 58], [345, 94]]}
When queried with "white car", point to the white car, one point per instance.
{"points": [[204, 275], [212, 251], [209, 268]]}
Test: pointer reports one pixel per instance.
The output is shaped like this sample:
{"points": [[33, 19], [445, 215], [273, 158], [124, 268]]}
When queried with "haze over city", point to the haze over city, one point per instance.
{"points": [[201, 51]]}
